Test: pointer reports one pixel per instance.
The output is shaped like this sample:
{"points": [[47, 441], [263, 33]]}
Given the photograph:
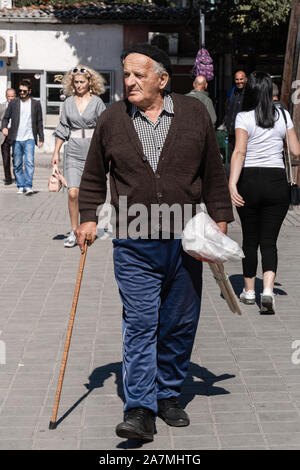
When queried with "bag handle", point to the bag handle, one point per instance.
{"points": [[290, 173], [59, 176], [55, 170]]}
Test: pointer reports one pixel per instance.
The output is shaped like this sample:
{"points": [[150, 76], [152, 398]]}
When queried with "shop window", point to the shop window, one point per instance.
{"points": [[182, 83], [53, 93], [108, 76]]}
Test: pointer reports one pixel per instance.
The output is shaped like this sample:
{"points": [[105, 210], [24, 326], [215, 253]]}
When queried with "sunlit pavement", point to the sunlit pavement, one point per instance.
{"points": [[242, 391]]}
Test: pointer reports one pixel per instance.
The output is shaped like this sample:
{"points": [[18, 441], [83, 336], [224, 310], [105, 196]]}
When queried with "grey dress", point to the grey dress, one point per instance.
{"points": [[77, 147]]}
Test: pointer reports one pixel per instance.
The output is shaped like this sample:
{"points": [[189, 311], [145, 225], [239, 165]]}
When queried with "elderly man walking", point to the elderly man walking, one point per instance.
{"points": [[200, 92], [4, 142], [159, 149]]}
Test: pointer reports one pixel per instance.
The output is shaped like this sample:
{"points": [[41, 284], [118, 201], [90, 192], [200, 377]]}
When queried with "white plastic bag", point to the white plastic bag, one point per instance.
{"points": [[203, 239]]}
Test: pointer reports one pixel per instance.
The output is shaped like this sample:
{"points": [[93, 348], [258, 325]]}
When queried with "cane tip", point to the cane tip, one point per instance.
{"points": [[52, 425]]}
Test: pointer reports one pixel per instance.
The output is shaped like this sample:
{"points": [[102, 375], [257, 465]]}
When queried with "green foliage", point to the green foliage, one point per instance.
{"points": [[246, 15], [253, 15], [27, 3], [240, 24], [230, 17]]}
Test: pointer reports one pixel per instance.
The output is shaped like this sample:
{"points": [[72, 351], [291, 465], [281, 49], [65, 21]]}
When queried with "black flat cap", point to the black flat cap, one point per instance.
{"points": [[153, 52]]}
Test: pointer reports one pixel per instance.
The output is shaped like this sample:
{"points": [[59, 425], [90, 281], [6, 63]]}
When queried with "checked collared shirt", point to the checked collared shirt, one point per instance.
{"points": [[153, 135]]}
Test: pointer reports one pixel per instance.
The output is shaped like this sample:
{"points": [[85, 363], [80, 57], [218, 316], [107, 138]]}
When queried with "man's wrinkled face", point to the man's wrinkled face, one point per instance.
{"points": [[10, 95], [142, 84], [240, 79]]}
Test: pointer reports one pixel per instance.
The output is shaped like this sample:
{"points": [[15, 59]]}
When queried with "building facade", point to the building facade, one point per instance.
{"points": [[42, 43]]}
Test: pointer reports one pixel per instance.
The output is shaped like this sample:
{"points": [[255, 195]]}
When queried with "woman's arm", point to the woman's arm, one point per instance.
{"points": [[62, 133], [293, 142], [57, 148], [237, 160]]}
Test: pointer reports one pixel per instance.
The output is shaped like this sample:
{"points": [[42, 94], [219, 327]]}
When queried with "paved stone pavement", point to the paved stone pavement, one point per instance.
{"points": [[242, 391]]}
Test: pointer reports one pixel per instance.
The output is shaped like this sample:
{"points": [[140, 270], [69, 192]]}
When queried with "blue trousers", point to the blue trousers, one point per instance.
{"points": [[23, 151], [160, 287]]}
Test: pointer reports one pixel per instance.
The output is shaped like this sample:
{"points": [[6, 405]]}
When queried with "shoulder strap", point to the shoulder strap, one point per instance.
{"points": [[283, 114], [290, 173]]}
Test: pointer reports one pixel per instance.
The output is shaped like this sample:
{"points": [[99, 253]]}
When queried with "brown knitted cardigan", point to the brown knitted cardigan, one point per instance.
{"points": [[189, 171]]}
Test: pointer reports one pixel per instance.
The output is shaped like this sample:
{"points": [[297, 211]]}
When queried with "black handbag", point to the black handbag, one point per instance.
{"points": [[293, 187], [294, 194]]}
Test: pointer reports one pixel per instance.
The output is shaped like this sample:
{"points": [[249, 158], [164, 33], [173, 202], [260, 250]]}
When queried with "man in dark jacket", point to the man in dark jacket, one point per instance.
{"points": [[25, 132], [4, 141], [161, 152], [234, 106]]}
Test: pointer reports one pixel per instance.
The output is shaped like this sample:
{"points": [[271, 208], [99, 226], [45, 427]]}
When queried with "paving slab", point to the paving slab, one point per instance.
{"points": [[242, 391]]}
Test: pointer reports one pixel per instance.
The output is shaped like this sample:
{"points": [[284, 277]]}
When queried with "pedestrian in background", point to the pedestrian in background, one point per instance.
{"points": [[4, 141], [258, 183], [200, 92], [276, 99], [26, 131], [80, 112], [234, 106]]}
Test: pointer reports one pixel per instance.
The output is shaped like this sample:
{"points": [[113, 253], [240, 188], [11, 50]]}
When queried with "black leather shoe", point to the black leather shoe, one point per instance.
{"points": [[171, 412], [7, 182], [138, 424]]}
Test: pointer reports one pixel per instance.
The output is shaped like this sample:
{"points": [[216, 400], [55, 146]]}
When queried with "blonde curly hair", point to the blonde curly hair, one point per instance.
{"points": [[96, 80]]}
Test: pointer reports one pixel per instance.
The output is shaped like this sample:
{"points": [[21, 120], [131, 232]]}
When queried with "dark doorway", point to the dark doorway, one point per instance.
{"points": [[34, 77]]}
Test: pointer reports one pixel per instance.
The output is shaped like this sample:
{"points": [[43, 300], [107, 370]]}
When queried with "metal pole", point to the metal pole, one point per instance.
{"points": [[201, 29]]}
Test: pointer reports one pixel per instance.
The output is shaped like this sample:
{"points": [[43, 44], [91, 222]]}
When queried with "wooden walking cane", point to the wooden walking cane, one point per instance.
{"points": [[53, 423]]}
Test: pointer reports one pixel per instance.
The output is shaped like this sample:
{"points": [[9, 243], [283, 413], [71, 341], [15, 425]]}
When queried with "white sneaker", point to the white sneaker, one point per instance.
{"points": [[28, 191], [267, 303], [71, 240], [247, 297], [20, 191]]}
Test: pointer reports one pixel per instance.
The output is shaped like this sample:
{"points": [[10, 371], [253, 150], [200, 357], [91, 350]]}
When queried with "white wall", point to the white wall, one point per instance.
{"points": [[59, 47]]}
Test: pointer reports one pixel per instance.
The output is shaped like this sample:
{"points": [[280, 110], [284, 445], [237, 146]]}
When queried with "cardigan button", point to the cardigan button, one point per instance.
{"points": [[144, 158], [157, 175]]}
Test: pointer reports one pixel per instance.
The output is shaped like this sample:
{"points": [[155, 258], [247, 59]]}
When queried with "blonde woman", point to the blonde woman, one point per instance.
{"points": [[80, 112]]}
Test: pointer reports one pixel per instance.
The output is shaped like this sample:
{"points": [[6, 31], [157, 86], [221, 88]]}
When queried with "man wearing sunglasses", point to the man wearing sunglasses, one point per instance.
{"points": [[26, 131]]}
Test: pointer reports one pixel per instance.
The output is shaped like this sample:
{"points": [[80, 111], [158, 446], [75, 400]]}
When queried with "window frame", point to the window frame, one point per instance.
{"points": [[47, 86], [111, 87]]}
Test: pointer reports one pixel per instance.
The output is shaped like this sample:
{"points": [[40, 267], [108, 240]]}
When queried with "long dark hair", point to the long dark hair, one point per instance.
{"points": [[259, 97]]}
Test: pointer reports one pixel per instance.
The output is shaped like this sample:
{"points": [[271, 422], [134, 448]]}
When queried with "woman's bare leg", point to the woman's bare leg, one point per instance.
{"points": [[73, 207], [249, 283], [268, 280]]}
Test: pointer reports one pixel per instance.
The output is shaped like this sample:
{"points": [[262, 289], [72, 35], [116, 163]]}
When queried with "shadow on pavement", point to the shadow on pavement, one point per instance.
{"points": [[191, 388], [60, 236], [204, 387], [96, 380]]}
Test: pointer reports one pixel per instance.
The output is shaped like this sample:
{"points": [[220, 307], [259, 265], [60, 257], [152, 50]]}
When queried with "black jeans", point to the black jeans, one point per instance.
{"points": [[5, 150], [266, 195]]}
